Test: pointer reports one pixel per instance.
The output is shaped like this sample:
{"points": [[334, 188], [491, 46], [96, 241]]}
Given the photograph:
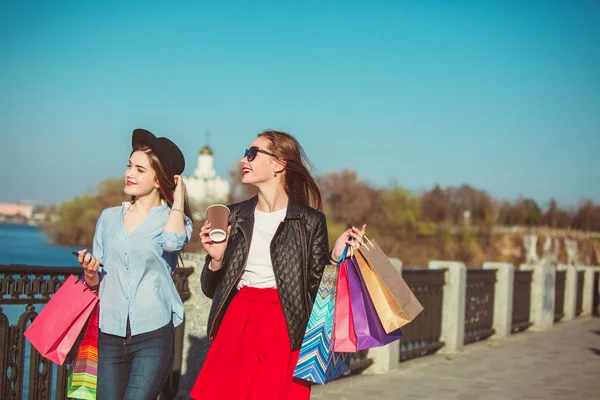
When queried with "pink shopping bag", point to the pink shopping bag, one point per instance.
{"points": [[345, 338], [54, 331]]}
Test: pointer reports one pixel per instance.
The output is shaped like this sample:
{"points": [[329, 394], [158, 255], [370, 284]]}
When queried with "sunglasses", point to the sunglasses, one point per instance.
{"points": [[251, 153]]}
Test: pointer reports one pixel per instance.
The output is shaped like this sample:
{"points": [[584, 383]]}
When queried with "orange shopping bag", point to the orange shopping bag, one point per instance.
{"points": [[395, 303]]}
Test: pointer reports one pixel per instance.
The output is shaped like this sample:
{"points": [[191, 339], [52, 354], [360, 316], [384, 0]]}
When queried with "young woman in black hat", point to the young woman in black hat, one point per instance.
{"points": [[138, 244], [264, 278]]}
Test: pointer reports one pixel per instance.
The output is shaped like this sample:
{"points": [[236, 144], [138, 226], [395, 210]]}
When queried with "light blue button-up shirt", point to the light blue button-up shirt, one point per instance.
{"points": [[136, 280]]}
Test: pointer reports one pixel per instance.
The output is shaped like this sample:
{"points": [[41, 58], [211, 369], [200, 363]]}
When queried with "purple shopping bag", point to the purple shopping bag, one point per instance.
{"points": [[367, 326]]}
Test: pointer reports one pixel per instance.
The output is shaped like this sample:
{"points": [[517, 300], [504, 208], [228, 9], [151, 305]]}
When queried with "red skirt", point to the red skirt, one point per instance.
{"points": [[251, 356]]}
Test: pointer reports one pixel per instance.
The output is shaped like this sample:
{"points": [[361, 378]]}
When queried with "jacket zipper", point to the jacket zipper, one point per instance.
{"points": [[212, 328], [277, 232], [305, 259]]}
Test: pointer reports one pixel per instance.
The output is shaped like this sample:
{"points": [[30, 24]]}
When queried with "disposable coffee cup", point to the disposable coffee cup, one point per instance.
{"points": [[218, 216]]}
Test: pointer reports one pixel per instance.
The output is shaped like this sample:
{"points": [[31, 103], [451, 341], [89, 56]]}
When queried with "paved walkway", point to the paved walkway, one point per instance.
{"points": [[563, 363]]}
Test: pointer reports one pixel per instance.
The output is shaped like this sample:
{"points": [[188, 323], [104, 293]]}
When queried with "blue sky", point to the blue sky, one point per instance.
{"points": [[503, 95]]}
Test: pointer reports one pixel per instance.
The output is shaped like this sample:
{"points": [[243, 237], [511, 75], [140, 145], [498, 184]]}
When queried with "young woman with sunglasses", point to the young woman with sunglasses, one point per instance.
{"points": [[264, 277]]}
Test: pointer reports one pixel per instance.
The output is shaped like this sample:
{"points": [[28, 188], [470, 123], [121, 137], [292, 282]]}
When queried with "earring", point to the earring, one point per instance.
{"points": [[275, 174]]}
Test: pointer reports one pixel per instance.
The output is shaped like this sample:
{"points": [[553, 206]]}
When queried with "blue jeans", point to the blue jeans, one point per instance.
{"points": [[135, 367]]}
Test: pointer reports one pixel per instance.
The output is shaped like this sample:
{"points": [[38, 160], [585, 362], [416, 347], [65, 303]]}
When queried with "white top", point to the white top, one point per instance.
{"points": [[259, 269]]}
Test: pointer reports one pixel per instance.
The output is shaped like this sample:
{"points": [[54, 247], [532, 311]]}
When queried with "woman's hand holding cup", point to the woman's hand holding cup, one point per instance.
{"points": [[215, 234]]}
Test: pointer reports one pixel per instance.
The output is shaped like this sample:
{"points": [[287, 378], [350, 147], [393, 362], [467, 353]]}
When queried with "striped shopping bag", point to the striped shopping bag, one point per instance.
{"points": [[318, 363], [84, 374]]}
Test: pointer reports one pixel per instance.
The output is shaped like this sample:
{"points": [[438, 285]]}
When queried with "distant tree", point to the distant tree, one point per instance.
{"points": [[109, 193], [587, 217], [477, 202], [522, 212], [76, 218], [555, 217], [509, 214], [400, 215], [436, 206], [347, 199], [531, 212], [76, 221]]}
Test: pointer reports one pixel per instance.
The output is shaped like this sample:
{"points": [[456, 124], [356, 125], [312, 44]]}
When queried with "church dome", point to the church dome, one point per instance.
{"points": [[206, 151]]}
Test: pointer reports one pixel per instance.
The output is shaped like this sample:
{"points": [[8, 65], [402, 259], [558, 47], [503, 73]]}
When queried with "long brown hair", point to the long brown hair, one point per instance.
{"points": [[166, 185], [299, 183]]}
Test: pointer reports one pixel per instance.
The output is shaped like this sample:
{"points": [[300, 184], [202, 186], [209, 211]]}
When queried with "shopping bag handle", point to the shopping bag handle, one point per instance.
{"points": [[81, 279], [85, 285], [367, 239], [343, 256]]}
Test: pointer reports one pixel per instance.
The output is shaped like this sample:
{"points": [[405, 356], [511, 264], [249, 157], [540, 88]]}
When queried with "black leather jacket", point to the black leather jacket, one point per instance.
{"points": [[299, 253]]}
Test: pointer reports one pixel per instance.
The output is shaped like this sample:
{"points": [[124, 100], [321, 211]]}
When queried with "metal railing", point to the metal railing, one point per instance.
{"points": [[596, 301], [35, 376], [579, 298], [559, 295], [422, 336], [521, 301], [479, 304]]}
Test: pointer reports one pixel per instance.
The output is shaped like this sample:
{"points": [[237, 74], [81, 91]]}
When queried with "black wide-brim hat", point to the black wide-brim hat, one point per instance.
{"points": [[168, 153]]}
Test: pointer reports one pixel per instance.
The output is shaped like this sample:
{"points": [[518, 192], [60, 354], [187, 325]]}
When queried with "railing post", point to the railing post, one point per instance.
{"points": [[453, 310], [596, 292], [588, 291], [503, 297], [570, 291], [542, 295], [385, 358]]}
